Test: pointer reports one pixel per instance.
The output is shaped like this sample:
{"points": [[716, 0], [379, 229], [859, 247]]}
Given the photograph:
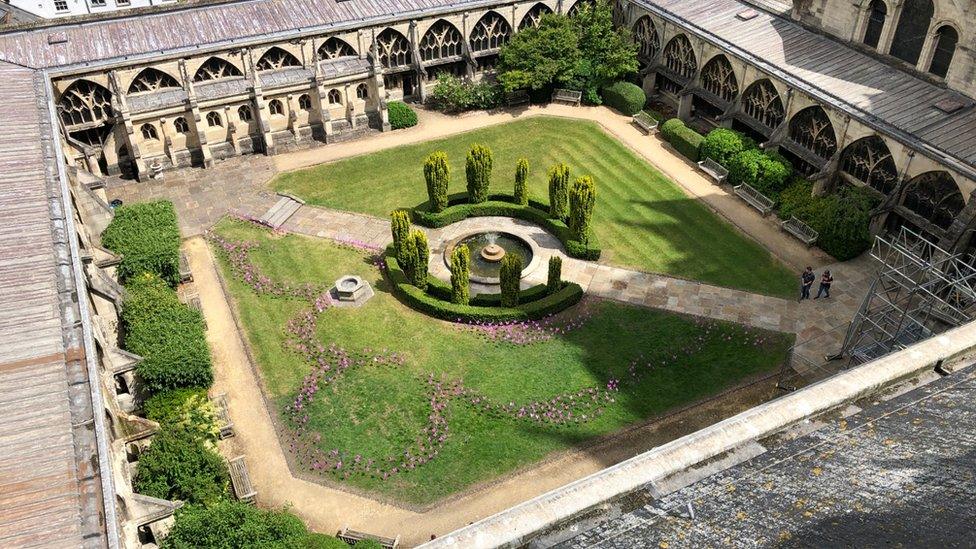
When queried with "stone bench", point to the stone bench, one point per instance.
{"points": [[352, 537], [646, 122], [240, 481], [570, 97], [186, 275], [225, 424], [516, 98], [714, 170], [803, 232], [754, 198]]}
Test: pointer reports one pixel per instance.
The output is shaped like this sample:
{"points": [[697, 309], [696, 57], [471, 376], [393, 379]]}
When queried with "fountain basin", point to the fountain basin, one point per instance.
{"points": [[487, 250]]}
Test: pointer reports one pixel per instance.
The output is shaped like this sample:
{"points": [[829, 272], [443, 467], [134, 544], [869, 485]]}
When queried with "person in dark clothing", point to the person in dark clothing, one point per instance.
{"points": [[806, 282], [825, 281]]}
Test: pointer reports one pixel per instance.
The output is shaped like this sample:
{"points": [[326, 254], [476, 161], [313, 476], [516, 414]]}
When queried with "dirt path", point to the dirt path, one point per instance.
{"points": [[327, 509], [434, 125]]}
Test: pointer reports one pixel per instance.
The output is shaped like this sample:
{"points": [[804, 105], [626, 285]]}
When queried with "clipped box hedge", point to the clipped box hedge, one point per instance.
{"points": [[625, 97], [684, 139], [401, 115], [169, 336], [147, 236], [504, 205], [542, 305]]}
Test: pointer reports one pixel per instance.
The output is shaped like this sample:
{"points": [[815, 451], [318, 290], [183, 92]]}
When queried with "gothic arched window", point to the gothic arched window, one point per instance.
{"points": [[934, 196], [680, 58], [151, 79], [441, 40], [812, 130], [215, 68], [335, 98], [277, 58], [946, 39], [718, 78], [149, 132], [305, 102], [648, 41], [276, 108], [244, 113], [761, 102], [869, 161], [85, 102], [334, 48], [913, 26], [181, 126], [214, 120], [362, 92], [876, 20], [394, 49], [534, 15], [490, 32]]}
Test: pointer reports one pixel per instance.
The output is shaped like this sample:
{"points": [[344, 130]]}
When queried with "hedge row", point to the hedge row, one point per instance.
{"points": [[627, 98], [147, 237], [442, 290], [431, 305], [684, 139], [168, 335], [180, 465], [504, 205], [401, 115]]}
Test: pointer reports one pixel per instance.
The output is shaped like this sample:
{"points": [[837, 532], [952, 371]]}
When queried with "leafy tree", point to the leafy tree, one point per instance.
{"points": [[147, 236], [558, 191], [453, 94], [400, 227], [187, 409], [521, 182], [478, 172], [581, 201], [460, 273], [584, 52], [437, 174], [180, 465], [722, 144], [510, 277], [232, 524], [554, 282]]}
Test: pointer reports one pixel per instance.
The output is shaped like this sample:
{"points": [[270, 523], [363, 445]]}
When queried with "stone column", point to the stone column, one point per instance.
{"points": [[380, 85], [199, 126], [826, 175], [779, 134], [121, 108], [350, 97], [471, 64], [261, 113], [418, 63], [880, 213], [321, 99], [891, 23]]}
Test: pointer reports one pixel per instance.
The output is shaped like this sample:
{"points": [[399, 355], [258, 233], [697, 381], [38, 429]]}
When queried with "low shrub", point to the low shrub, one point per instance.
{"points": [[503, 205], [178, 465], [147, 236], [237, 524], [167, 334], [510, 279], [401, 115], [627, 98], [722, 144], [842, 218], [185, 409], [430, 304], [453, 94], [684, 139]]}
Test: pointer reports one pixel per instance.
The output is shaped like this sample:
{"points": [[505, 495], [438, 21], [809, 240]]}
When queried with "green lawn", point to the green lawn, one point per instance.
{"points": [[377, 411], [643, 220]]}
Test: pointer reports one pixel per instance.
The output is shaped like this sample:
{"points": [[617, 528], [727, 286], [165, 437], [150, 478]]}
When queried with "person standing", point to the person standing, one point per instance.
{"points": [[806, 282], [825, 280]]}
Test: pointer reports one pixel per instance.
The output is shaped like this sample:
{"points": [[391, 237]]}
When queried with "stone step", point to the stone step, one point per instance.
{"points": [[281, 212]]}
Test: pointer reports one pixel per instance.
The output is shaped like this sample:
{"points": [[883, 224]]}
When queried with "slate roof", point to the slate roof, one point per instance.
{"points": [[50, 490], [898, 474]]}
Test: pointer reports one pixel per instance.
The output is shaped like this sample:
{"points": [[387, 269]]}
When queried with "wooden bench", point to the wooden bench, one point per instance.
{"points": [[186, 275], [226, 425], [240, 481], [803, 232], [352, 536], [754, 198], [714, 170], [646, 122], [571, 97], [516, 98]]}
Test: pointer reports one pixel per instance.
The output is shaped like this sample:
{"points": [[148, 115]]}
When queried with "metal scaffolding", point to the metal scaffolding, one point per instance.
{"points": [[920, 290]]}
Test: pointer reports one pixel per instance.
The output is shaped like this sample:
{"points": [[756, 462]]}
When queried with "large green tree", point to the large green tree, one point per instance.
{"points": [[583, 52]]}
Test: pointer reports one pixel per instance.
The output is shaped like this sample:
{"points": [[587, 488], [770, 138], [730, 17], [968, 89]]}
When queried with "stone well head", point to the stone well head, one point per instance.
{"points": [[350, 288]]}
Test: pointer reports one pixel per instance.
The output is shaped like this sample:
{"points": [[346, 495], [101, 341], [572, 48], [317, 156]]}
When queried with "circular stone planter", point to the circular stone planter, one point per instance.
{"points": [[528, 242]]}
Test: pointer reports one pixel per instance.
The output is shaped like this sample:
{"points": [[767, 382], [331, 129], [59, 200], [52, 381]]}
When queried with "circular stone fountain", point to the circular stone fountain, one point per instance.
{"points": [[487, 251]]}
